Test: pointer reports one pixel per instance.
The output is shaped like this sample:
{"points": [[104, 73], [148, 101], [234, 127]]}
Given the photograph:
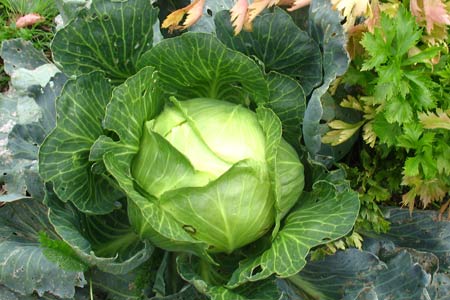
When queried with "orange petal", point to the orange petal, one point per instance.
{"points": [[194, 13], [238, 15]]}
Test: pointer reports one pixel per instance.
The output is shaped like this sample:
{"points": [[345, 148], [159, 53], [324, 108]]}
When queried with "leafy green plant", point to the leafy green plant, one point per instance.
{"points": [[403, 106], [173, 168], [185, 145]]}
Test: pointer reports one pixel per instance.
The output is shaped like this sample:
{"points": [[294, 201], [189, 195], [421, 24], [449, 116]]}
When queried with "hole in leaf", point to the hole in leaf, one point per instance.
{"points": [[209, 12], [18, 50], [256, 270], [112, 134], [189, 229], [106, 18]]}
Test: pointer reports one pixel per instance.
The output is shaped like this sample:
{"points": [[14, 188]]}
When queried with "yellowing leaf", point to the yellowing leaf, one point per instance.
{"points": [[192, 12], [428, 191], [351, 102], [369, 135], [409, 199], [239, 15], [351, 9], [439, 120], [341, 133]]}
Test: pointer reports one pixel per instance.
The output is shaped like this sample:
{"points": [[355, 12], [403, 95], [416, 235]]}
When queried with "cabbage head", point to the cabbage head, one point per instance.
{"points": [[205, 162]]}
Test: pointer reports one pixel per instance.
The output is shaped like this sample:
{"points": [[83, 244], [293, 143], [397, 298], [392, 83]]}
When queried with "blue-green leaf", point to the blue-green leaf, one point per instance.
{"points": [[356, 274], [26, 116], [23, 267], [326, 29], [421, 231], [408, 262], [18, 53]]}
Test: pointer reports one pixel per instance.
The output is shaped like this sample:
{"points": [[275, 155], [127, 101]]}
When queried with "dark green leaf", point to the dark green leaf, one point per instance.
{"points": [[190, 268], [109, 36], [279, 44], [107, 241], [288, 101]]}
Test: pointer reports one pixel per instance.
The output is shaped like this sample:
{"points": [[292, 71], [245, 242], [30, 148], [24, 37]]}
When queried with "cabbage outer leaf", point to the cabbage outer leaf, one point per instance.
{"points": [[325, 214], [109, 36], [285, 169], [198, 65], [278, 43], [63, 157], [106, 242]]}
